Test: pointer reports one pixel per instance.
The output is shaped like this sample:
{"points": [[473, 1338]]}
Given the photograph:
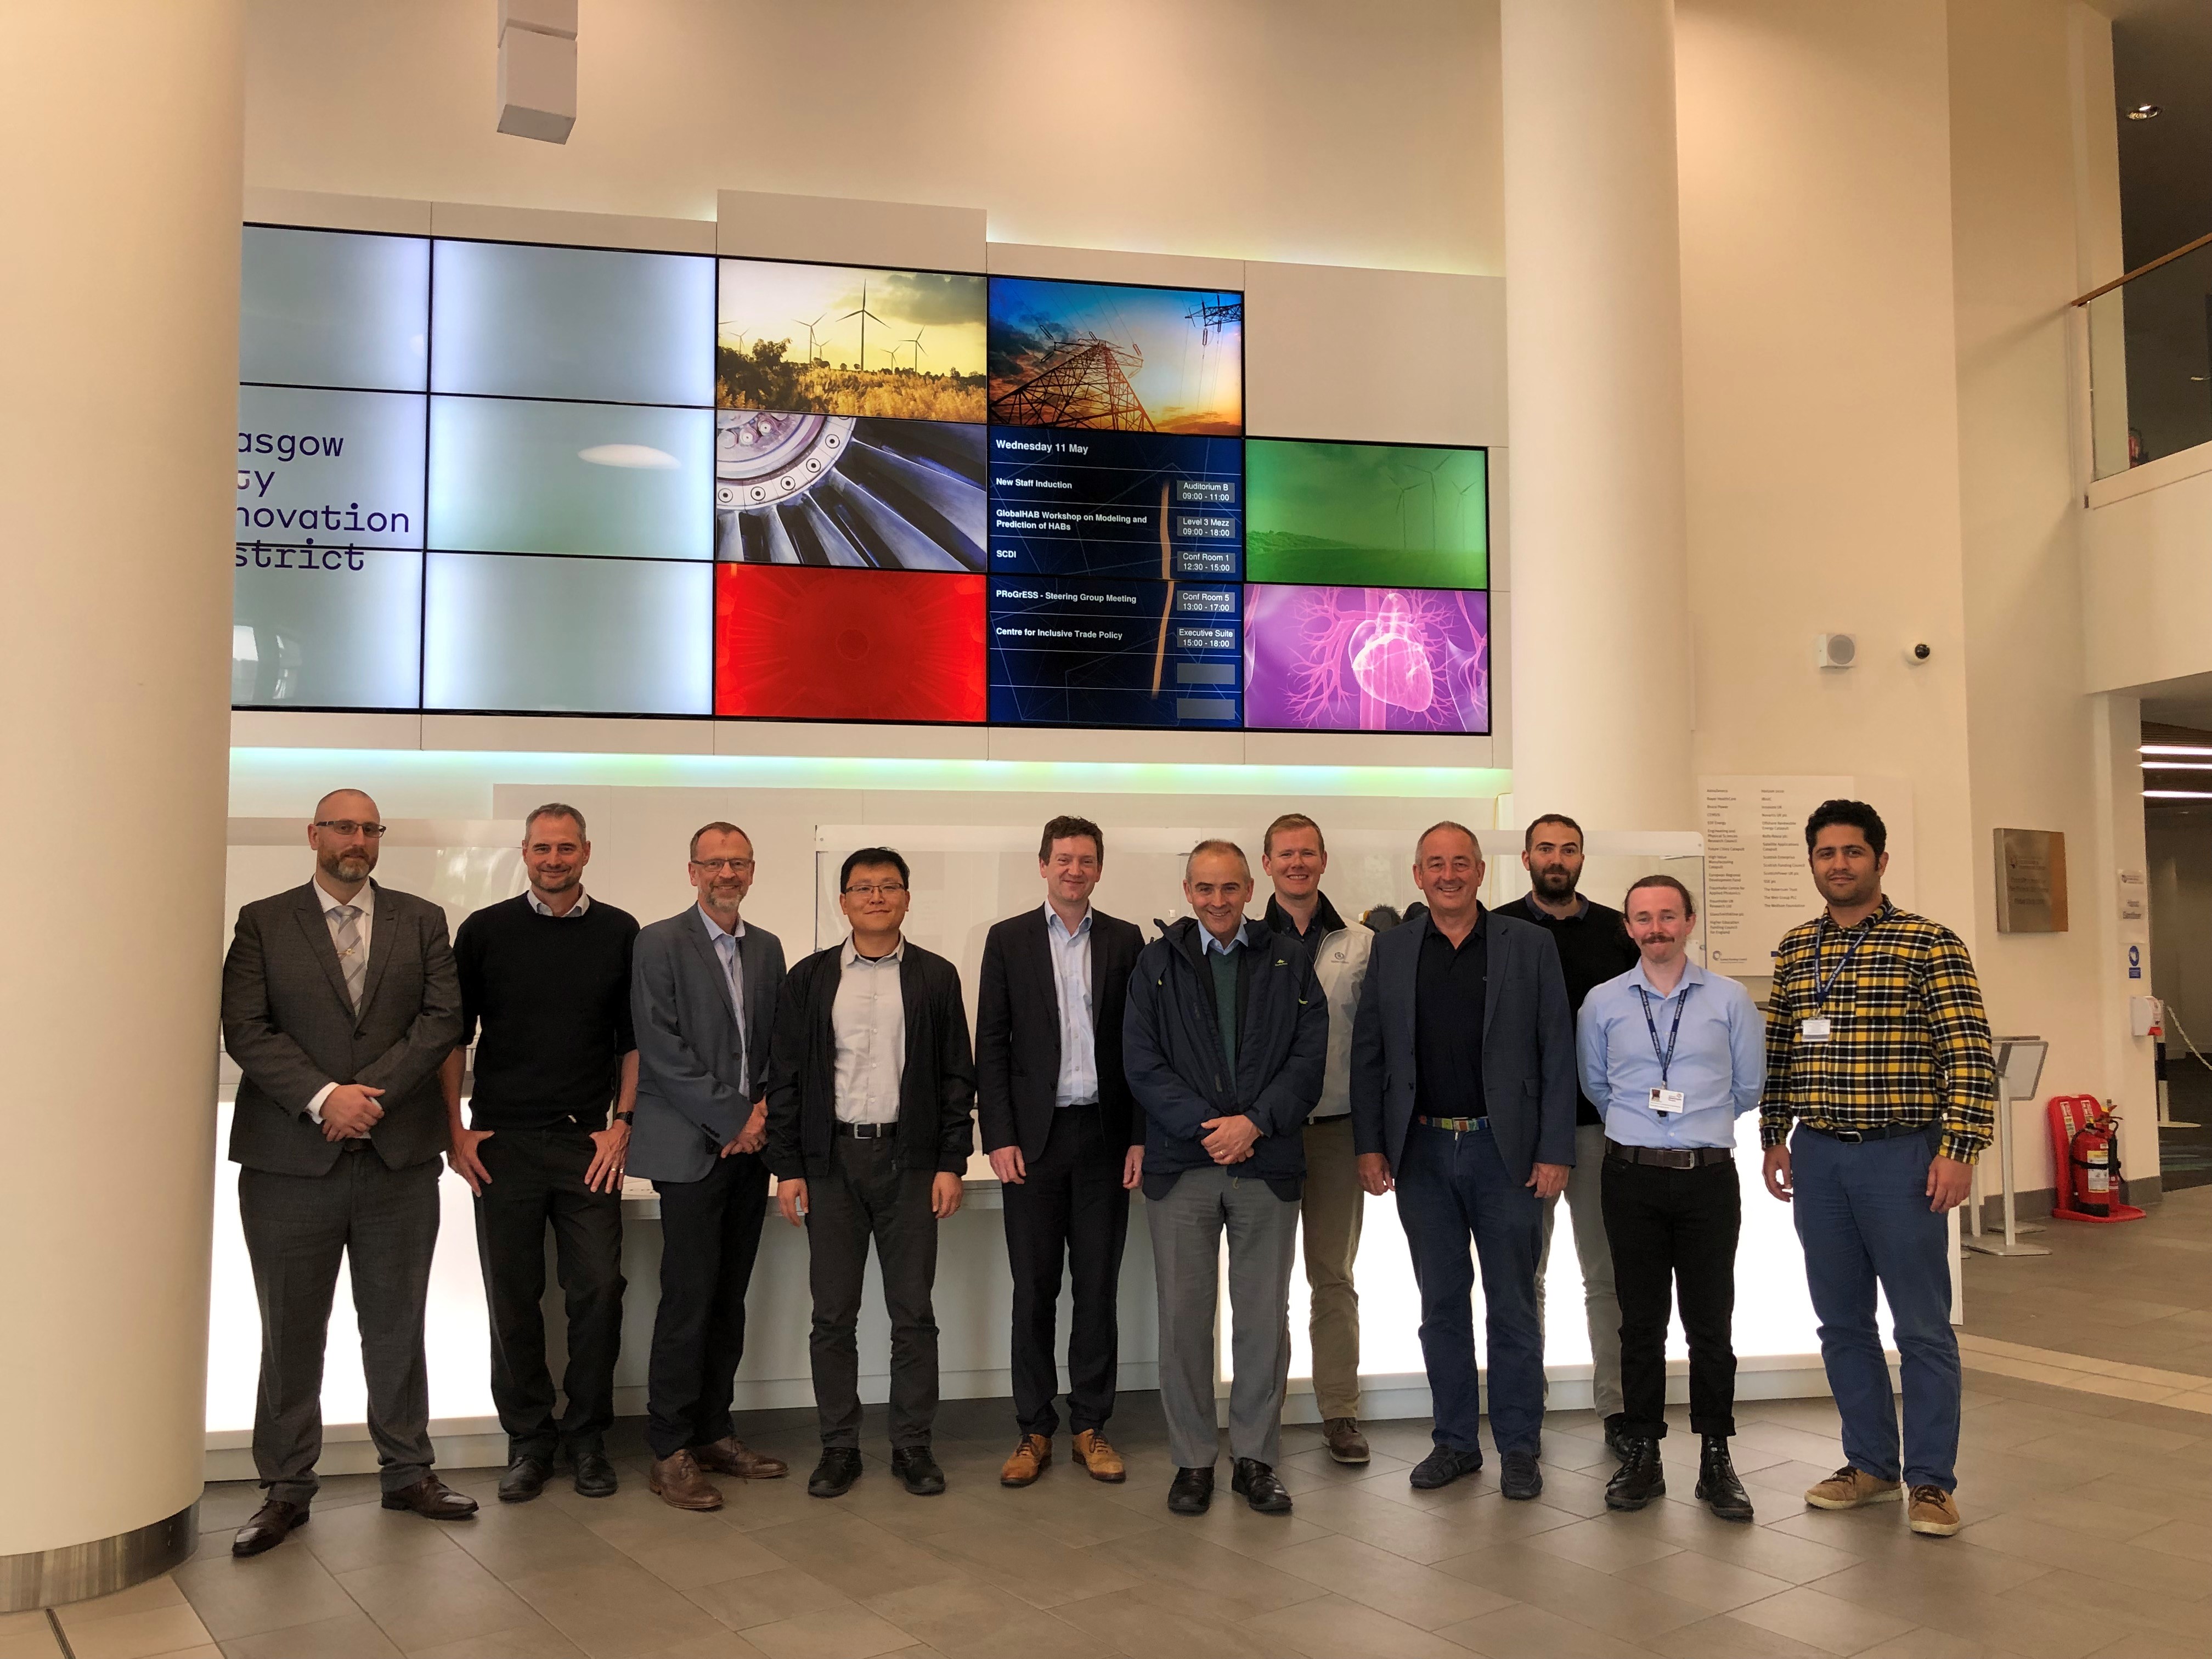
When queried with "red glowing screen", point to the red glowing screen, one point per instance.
{"points": [[805, 642]]}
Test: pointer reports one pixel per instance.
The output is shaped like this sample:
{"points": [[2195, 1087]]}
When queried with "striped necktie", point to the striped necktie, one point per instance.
{"points": [[352, 959]]}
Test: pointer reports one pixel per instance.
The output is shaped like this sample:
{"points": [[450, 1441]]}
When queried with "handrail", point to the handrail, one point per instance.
{"points": [[2163, 259]]}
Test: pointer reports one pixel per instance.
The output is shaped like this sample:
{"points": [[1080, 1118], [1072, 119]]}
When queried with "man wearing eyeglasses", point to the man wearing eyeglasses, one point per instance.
{"points": [[704, 988], [340, 1003], [868, 1131]]}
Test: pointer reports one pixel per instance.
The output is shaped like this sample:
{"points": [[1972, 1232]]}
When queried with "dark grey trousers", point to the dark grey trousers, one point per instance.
{"points": [[862, 1195], [384, 1223]]}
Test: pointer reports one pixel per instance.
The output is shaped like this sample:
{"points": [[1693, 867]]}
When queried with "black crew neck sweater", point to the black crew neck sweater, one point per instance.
{"points": [[551, 994]]}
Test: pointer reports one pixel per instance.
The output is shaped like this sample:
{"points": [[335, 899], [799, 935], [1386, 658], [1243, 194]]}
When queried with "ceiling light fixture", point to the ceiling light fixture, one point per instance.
{"points": [[2144, 112], [2177, 794], [2204, 750], [2177, 766]]}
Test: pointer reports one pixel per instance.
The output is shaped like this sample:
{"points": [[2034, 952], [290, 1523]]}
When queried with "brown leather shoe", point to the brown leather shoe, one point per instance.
{"points": [[1096, 1454], [1030, 1459], [734, 1458], [677, 1481], [433, 1499], [271, 1524], [1345, 1443]]}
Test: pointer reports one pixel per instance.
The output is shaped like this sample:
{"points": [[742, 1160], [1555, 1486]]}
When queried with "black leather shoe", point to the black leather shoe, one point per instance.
{"points": [[1617, 1439], [524, 1478], [433, 1499], [1192, 1493], [915, 1465], [833, 1475], [1518, 1475], [595, 1475], [1441, 1466], [1717, 1487], [272, 1524], [1641, 1477], [1255, 1483]]}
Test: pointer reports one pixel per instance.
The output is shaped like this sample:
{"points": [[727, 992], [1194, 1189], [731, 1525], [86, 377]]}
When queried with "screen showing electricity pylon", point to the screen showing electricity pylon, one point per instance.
{"points": [[1114, 357]]}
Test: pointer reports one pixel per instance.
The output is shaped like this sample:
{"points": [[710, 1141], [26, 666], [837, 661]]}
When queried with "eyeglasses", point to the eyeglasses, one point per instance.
{"points": [[870, 888], [346, 829], [714, 867]]}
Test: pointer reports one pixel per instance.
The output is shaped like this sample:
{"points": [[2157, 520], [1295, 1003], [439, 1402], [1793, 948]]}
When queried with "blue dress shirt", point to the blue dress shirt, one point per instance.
{"points": [[1719, 1065], [1070, 972]]}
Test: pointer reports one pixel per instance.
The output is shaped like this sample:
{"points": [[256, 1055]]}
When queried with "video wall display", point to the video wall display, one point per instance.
{"points": [[515, 478]]}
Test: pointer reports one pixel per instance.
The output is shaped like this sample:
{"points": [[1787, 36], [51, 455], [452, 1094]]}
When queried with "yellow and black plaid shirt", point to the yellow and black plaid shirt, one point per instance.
{"points": [[1908, 1043]]}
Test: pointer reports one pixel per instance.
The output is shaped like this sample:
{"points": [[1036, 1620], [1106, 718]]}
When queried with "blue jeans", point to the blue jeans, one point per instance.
{"points": [[1863, 1216], [1451, 1184]]}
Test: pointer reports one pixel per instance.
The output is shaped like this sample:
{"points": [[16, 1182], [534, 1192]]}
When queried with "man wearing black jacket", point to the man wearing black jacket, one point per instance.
{"points": [[1224, 1041], [1064, 1140], [870, 1092]]}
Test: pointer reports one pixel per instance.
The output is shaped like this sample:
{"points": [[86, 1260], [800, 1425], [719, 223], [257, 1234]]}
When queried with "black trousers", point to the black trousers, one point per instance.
{"points": [[1673, 1233], [861, 1193], [710, 1232], [538, 1179], [1071, 1209]]}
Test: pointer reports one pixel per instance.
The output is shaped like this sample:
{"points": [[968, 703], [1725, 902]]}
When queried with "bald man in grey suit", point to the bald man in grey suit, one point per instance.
{"points": [[339, 1002]]}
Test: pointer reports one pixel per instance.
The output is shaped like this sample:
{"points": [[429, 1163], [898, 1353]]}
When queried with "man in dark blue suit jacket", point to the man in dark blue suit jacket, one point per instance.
{"points": [[1464, 1099]]}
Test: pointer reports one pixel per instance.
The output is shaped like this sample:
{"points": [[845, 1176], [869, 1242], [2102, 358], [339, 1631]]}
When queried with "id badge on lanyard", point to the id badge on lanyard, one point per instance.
{"points": [[1817, 1027], [1664, 1102]]}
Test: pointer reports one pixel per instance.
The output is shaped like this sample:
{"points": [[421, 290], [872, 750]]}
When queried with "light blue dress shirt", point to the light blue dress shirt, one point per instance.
{"points": [[1719, 1065], [733, 967], [1071, 973]]}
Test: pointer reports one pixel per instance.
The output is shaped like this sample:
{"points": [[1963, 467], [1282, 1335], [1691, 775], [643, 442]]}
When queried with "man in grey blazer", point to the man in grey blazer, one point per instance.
{"points": [[701, 1120], [339, 1002], [1464, 1099]]}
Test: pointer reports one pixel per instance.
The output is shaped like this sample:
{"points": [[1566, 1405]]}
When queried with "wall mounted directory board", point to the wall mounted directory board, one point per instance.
{"points": [[520, 479]]}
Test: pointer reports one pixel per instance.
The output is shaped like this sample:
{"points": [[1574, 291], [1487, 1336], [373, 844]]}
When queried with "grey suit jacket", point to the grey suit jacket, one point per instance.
{"points": [[1528, 1045], [689, 1105], [287, 1023]]}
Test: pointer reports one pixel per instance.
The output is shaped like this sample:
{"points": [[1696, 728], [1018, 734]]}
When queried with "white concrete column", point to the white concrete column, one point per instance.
{"points": [[121, 146], [1601, 647]]}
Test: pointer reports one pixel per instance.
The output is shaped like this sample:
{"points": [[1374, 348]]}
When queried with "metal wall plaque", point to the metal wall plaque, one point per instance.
{"points": [[2031, 881]]}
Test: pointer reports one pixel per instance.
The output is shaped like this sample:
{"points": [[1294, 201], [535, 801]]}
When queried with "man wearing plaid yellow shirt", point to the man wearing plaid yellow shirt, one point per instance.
{"points": [[1877, 1046]]}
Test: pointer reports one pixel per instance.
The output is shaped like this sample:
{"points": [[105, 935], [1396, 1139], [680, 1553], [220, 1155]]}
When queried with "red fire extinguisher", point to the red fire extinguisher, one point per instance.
{"points": [[2095, 1156]]}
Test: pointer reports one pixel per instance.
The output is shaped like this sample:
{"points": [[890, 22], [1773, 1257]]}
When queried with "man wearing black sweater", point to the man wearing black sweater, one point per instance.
{"points": [[546, 978]]}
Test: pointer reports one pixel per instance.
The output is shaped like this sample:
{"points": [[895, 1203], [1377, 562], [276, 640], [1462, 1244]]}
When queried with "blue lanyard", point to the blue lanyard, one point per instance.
{"points": [[1822, 986], [1666, 1061]]}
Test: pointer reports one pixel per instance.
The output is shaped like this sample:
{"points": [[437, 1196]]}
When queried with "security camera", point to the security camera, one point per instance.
{"points": [[1919, 653]]}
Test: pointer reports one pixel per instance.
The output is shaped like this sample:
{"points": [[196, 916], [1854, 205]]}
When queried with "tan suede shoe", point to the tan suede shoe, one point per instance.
{"points": [[1932, 1513], [1030, 1461], [734, 1458], [1849, 1489], [1094, 1452], [679, 1482]]}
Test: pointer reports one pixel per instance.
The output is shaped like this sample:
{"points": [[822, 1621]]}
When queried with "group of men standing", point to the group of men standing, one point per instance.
{"points": [[1258, 1077]]}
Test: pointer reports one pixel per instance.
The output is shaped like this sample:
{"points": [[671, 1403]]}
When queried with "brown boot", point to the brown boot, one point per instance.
{"points": [[1096, 1454], [734, 1458], [1030, 1461], [1345, 1443], [678, 1482]]}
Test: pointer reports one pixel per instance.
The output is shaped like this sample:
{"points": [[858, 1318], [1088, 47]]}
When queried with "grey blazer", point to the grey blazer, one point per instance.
{"points": [[287, 1023], [689, 1105], [1528, 1045]]}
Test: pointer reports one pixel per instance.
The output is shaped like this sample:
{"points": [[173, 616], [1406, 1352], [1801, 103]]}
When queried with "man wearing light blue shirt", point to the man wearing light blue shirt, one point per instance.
{"points": [[1671, 1056]]}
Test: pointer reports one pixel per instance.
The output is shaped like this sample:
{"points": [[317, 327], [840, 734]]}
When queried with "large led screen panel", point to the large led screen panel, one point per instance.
{"points": [[1366, 659], [847, 340], [580, 636], [611, 479], [1089, 652], [796, 643], [328, 308], [325, 628], [518, 321], [1113, 357], [840, 489], [1116, 504], [1399, 516], [335, 468]]}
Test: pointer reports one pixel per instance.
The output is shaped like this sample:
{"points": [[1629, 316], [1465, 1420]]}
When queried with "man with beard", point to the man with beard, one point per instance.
{"points": [[339, 1004], [703, 992], [1593, 947], [1878, 1048], [546, 975]]}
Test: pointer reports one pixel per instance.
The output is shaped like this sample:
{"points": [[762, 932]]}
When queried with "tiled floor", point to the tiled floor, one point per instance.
{"points": [[2089, 1533]]}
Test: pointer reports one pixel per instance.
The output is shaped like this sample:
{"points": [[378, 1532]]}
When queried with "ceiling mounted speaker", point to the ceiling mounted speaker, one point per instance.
{"points": [[538, 69], [1835, 650]]}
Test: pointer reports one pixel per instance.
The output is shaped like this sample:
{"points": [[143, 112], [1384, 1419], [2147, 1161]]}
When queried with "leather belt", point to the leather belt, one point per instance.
{"points": [[1884, 1131], [1463, 1125], [868, 1131], [1668, 1158]]}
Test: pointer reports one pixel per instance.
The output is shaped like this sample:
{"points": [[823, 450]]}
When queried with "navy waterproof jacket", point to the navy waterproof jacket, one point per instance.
{"points": [[1171, 1050]]}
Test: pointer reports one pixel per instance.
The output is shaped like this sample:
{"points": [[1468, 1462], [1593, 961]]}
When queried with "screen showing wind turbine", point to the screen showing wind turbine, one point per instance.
{"points": [[1085, 503], [1366, 659], [1113, 357], [1400, 515], [846, 340]]}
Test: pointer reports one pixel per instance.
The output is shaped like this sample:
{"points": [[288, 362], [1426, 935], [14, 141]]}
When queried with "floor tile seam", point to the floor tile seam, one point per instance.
{"points": [[2067, 1360]]}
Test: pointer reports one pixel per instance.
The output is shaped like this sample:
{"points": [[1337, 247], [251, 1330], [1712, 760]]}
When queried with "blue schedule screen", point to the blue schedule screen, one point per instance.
{"points": [[1081, 652], [1129, 504]]}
